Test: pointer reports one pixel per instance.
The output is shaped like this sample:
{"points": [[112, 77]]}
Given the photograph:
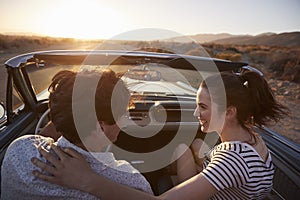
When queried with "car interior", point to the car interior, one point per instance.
{"points": [[157, 123]]}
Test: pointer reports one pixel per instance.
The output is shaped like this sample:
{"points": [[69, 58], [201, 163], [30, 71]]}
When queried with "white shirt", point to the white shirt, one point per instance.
{"points": [[18, 182]]}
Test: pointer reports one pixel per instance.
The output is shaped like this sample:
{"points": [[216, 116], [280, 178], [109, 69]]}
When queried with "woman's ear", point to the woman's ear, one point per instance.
{"points": [[231, 112]]}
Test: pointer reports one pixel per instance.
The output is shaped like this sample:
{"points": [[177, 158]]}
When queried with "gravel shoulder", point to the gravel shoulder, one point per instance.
{"points": [[288, 94]]}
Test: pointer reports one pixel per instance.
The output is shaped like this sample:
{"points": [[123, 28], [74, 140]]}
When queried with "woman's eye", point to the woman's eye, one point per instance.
{"points": [[203, 107]]}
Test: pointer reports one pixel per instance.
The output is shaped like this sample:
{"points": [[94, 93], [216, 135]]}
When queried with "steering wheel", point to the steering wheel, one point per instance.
{"points": [[41, 121]]}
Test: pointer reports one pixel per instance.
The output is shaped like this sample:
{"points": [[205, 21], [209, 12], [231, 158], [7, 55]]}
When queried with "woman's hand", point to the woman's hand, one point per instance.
{"points": [[70, 170]]}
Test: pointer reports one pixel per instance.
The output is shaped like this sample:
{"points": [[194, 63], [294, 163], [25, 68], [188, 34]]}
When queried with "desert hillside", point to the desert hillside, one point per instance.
{"points": [[280, 63], [289, 39], [269, 39]]}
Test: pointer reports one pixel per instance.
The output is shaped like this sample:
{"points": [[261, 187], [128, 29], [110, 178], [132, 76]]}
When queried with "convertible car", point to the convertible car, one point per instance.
{"points": [[160, 118]]}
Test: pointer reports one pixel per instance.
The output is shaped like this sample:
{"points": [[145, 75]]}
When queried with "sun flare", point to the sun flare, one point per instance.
{"points": [[79, 19]]}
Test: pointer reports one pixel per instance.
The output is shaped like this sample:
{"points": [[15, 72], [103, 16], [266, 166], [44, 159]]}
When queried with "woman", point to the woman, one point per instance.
{"points": [[240, 167]]}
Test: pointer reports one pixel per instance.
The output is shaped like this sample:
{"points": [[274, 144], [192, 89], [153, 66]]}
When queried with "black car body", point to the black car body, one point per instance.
{"points": [[163, 108]]}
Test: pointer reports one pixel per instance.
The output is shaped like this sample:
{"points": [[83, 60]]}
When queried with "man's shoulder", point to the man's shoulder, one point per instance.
{"points": [[27, 142], [125, 166], [32, 139], [124, 173]]}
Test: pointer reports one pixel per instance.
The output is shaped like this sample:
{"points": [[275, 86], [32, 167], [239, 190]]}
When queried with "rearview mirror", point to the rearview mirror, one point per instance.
{"points": [[2, 112]]}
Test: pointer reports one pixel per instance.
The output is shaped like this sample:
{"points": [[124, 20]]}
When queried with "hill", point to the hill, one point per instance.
{"points": [[200, 38], [291, 39], [288, 39]]}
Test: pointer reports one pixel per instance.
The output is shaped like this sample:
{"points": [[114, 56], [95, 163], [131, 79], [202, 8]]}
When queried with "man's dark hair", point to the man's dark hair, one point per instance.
{"points": [[70, 90]]}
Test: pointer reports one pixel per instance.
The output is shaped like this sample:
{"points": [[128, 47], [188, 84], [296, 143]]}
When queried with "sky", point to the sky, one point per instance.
{"points": [[107, 19]]}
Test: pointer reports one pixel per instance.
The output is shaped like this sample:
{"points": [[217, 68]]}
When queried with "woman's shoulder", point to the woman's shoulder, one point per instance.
{"points": [[232, 146]]}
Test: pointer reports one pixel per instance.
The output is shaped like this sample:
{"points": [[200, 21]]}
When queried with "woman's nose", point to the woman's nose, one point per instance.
{"points": [[197, 112]]}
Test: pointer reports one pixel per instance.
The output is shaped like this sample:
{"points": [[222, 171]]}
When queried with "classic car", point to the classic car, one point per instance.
{"points": [[161, 118], [143, 73]]}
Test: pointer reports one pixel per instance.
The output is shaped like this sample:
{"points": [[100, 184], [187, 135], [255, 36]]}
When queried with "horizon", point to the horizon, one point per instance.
{"points": [[20, 34], [110, 19]]}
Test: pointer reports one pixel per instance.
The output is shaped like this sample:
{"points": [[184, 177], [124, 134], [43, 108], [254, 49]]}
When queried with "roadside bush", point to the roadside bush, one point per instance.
{"points": [[198, 52], [229, 56]]}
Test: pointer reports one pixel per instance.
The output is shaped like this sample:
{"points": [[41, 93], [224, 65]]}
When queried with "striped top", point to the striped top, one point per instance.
{"points": [[237, 171]]}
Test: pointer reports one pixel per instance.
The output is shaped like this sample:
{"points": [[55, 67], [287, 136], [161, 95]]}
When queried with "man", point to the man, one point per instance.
{"points": [[70, 100]]}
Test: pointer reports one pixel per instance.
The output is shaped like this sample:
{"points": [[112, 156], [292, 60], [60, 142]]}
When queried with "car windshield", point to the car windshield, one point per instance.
{"points": [[146, 79]]}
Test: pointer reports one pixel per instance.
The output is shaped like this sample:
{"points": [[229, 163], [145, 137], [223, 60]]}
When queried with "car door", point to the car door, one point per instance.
{"points": [[19, 109]]}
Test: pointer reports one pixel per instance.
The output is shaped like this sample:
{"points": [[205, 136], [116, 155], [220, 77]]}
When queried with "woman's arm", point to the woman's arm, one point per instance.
{"points": [[72, 171]]}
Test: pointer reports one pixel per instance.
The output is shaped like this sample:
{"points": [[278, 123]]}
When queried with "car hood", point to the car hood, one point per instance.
{"points": [[159, 87]]}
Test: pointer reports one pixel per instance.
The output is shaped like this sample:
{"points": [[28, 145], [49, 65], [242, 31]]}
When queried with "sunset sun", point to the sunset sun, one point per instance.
{"points": [[78, 20]]}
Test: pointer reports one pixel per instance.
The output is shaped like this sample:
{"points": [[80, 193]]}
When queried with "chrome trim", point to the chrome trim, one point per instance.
{"points": [[179, 61]]}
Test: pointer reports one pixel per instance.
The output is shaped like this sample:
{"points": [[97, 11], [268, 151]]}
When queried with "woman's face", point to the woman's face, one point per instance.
{"points": [[209, 117]]}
